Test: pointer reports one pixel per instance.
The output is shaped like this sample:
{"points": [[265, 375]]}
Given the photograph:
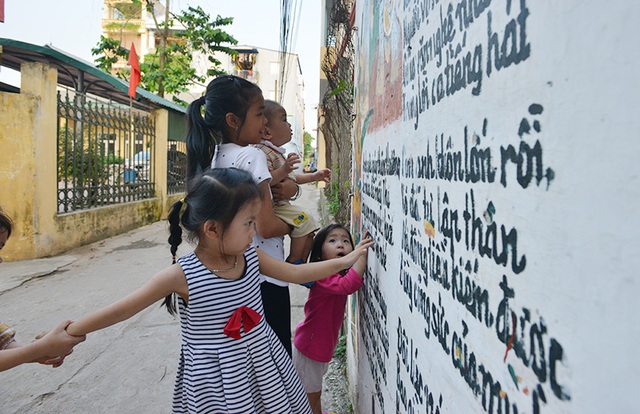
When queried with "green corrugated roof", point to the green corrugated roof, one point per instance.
{"points": [[71, 69]]}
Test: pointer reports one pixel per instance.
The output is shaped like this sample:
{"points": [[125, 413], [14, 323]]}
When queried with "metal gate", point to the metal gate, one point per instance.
{"points": [[105, 153]]}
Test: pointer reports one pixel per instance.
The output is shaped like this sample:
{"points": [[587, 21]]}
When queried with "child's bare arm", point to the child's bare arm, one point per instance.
{"points": [[267, 224], [167, 281], [53, 344], [285, 190], [277, 176], [309, 272], [320, 175], [360, 265]]}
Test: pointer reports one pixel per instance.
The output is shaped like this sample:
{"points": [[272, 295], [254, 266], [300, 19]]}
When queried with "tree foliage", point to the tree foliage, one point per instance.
{"points": [[169, 68], [308, 147], [205, 36], [109, 51]]}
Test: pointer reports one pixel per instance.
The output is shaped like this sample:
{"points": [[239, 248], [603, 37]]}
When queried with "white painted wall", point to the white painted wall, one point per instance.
{"points": [[546, 100]]}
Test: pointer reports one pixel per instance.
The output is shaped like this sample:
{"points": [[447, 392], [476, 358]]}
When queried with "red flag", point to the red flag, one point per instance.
{"points": [[134, 80]]}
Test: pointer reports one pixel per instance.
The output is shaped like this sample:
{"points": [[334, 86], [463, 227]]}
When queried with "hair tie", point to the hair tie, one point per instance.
{"points": [[182, 201], [201, 100]]}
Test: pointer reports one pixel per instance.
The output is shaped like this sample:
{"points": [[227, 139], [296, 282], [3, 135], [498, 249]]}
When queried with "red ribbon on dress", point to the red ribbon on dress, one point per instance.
{"points": [[242, 315]]}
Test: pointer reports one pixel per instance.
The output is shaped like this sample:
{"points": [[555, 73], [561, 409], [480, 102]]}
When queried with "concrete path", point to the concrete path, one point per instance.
{"points": [[127, 368]]}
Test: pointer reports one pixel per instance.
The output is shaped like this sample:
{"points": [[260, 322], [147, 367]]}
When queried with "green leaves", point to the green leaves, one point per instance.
{"points": [[190, 31], [308, 148], [342, 86], [176, 76], [109, 51]]}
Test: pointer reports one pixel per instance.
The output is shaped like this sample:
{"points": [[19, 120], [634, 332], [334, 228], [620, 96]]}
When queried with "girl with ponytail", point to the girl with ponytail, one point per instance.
{"points": [[234, 119]]}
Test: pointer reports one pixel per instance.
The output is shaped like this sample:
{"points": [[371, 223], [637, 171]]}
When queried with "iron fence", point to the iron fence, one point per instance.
{"points": [[104, 153], [176, 166]]}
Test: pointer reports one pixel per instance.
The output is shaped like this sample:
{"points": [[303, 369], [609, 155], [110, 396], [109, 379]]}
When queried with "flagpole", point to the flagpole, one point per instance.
{"points": [[132, 139]]}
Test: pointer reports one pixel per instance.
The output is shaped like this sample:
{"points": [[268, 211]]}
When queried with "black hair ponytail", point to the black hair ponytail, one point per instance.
{"points": [[175, 239], [201, 142], [225, 94]]}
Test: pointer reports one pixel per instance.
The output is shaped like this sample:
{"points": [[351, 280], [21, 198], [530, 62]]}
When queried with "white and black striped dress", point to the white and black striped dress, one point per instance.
{"points": [[219, 374]]}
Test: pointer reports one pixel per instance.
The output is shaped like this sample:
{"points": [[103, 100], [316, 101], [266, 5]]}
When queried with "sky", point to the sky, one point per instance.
{"points": [[74, 26]]}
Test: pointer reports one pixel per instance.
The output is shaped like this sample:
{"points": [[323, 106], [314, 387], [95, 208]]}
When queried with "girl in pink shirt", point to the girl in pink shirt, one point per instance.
{"points": [[316, 337]]}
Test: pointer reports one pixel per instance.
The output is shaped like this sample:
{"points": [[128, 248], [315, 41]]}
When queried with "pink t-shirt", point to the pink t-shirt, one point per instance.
{"points": [[317, 336]]}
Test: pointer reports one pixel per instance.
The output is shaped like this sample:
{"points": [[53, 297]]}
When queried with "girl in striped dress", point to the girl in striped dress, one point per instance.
{"points": [[230, 359]]}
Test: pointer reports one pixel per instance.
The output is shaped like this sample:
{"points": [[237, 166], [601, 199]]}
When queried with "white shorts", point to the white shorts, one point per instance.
{"points": [[309, 371]]}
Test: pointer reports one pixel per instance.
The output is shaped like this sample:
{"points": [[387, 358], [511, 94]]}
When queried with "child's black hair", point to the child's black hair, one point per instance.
{"points": [[318, 241], [225, 94], [5, 223], [269, 108], [218, 194]]}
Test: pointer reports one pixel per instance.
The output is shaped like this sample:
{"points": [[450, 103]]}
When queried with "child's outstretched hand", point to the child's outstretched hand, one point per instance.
{"points": [[56, 345], [322, 175], [360, 251], [293, 160]]}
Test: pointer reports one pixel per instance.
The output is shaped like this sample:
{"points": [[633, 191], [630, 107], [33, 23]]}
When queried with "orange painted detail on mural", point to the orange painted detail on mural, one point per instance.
{"points": [[429, 229]]}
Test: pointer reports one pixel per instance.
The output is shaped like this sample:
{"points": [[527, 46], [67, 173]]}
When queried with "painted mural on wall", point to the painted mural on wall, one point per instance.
{"points": [[465, 128]]}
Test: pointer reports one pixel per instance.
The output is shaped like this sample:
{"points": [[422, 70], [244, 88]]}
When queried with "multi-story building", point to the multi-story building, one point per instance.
{"points": [[130, 23]]}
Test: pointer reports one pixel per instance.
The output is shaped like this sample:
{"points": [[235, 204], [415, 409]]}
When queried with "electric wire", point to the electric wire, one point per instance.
{"points": [[288, 37]]}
